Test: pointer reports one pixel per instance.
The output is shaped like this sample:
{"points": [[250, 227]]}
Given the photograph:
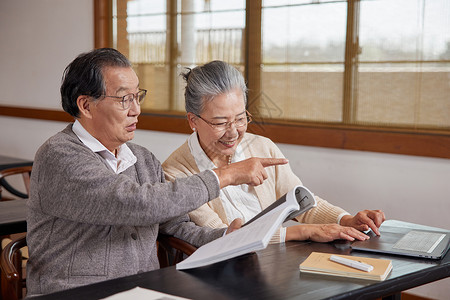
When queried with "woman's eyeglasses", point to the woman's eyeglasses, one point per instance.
{"points": [[223, 126]]}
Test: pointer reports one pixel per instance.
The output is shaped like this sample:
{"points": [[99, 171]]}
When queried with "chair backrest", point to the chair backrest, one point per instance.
{"points": [[172, 250], [12, 279], [25, 172]]}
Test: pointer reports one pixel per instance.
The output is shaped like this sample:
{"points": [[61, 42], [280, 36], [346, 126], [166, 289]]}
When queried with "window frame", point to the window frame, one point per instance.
{"points": [[428, 143]]}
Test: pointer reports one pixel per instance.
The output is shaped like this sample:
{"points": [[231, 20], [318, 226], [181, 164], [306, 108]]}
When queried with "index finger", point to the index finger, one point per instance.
{"points": [[369, 222], [267, 162], [377, 216], [235, 225]]}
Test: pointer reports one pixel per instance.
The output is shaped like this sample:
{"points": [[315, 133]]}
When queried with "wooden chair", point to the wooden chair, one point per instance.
{"points": [[25, 172], [172, 250], [12, 278]]}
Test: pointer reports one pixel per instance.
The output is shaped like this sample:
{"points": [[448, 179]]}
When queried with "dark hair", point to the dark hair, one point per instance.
{"points": [[203, 83], [83, 76]]}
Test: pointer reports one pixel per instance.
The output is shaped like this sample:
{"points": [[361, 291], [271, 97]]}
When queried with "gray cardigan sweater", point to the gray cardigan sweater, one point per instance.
{"points": [[87, 224]]}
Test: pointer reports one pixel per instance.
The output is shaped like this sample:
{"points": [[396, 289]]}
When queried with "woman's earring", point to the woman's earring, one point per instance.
{"points": [[194, 129]]}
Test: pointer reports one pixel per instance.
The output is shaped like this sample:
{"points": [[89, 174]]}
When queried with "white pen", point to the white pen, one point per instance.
{"points": [[352, 263]]}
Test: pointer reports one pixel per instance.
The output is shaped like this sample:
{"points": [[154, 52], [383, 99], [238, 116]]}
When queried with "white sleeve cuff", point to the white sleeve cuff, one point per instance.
{"points": [[340, 217], [217, 177], [282, 234]]}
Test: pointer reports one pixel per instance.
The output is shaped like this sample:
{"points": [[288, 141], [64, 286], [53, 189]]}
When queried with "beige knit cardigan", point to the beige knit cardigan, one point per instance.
{"points": [[280, 180]]}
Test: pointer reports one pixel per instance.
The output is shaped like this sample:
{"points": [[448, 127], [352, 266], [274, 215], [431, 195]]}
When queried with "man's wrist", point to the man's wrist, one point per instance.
{"points": [[222, 177]]}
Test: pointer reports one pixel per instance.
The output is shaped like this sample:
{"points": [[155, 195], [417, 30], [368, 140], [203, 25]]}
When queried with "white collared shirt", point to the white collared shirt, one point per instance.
{"points": [[125, 158], [238, 201]]}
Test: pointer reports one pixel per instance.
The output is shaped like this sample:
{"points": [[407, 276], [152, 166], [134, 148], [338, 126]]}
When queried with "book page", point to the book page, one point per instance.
{"points": [[253, 237], [300, 194]]}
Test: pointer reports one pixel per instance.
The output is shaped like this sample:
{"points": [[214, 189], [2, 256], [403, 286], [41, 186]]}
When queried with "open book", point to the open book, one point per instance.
{"points": [[255, 234]]}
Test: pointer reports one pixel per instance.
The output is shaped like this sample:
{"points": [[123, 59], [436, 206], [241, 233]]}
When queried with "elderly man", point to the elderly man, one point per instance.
{"points": [[97, 202]]}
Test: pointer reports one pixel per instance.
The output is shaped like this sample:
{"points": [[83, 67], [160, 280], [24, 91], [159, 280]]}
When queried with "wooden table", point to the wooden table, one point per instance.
{"points": [[272, 273], [13, 216], [7, 162]]}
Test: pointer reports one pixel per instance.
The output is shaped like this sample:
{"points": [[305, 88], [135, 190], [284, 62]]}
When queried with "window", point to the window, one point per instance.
{"points": [[303, 60], [395, 73], [162, 38], [403, 76], [365, 75]]}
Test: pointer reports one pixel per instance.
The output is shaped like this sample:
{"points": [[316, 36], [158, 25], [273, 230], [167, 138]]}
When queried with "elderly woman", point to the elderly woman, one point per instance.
{"points": [[215, 98]]}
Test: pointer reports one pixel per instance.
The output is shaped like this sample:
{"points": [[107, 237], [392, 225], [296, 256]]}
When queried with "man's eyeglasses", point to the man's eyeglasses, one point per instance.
{"points": [[222, 126], [129, 98]]}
